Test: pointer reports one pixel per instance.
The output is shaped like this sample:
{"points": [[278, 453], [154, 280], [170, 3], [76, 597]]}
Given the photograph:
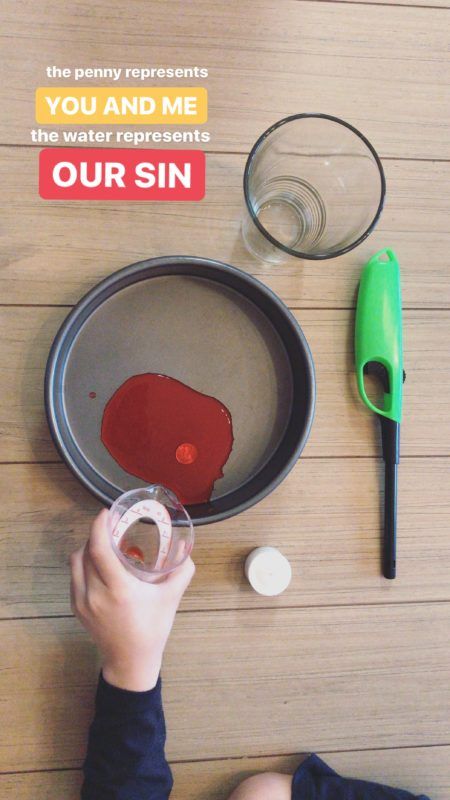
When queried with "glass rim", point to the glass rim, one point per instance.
{"points": [[262, 229]]}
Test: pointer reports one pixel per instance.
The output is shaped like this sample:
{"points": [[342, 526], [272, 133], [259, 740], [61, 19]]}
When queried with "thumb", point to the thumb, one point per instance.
{"points": [[178, 580]]}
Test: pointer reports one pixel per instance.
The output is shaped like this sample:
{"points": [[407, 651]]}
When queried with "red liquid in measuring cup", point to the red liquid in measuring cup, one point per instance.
{"points": [[162, 431]]}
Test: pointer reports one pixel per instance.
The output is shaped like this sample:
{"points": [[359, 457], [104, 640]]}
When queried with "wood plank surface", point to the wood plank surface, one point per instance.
{"points": [[348, 678], [419, 769], [444, 4], [343, 663], [266, 60], [325, 517], [342, 426], [54, 252]]}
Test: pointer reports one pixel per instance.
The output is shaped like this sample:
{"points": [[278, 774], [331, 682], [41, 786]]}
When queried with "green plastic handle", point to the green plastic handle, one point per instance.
{"points": [[378, 331]]}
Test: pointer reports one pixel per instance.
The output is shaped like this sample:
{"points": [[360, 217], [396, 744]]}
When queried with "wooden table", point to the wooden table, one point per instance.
{"points": [[344, 663]]}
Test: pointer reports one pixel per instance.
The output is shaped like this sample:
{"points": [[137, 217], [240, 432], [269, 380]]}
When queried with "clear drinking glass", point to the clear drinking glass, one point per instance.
{"points": [[314, 188], [151, 532]]}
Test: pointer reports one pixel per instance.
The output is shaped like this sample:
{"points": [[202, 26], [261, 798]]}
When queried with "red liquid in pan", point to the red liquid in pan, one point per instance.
{"points": [[162, 431]]}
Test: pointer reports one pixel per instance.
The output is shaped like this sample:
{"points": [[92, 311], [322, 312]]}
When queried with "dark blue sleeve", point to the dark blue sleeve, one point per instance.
{"points": [[315, 780], [125, 757]]}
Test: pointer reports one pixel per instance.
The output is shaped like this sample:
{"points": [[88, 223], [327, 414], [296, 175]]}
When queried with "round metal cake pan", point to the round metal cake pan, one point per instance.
{"points": [[209, 325]]}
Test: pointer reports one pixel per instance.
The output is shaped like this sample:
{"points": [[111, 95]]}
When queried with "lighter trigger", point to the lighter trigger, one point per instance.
{"points": [[380, 372]]}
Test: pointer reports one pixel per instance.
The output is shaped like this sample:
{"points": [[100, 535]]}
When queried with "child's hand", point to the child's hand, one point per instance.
{"points": [[130, 620]]}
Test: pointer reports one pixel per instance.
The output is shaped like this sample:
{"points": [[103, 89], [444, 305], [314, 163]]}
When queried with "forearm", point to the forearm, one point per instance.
{"points": [[125, 758]]}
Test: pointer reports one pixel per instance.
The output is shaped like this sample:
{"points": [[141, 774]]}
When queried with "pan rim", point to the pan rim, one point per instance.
{"points": [[237, 500]]}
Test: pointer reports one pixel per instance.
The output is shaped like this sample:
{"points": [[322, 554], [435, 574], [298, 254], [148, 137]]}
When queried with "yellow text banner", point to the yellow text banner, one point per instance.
{"points": [[104, 105]]}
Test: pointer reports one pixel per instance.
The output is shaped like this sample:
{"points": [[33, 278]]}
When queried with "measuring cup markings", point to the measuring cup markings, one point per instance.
{"points": [[154, 545], [159, 515]]}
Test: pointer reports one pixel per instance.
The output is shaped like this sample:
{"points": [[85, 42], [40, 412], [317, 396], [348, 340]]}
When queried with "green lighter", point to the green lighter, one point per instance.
{"points": [[378, 350]]}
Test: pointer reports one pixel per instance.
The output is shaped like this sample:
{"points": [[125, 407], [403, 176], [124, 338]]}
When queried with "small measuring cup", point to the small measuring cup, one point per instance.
{"points": [[151, 532]]}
